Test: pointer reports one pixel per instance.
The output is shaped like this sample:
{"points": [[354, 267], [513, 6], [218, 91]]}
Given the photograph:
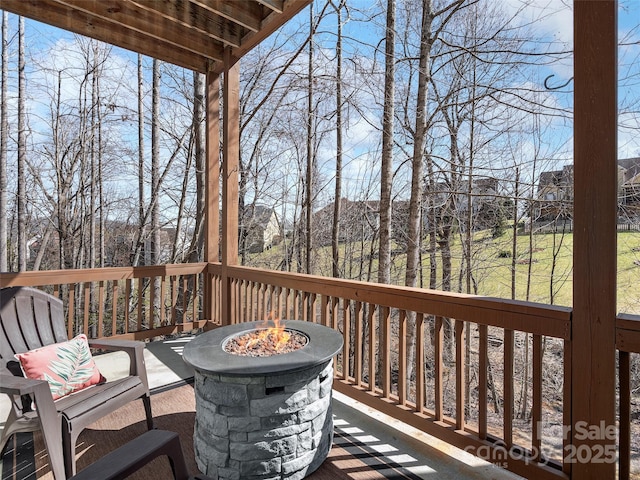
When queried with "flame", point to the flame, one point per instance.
{"points": [[277, 336]]}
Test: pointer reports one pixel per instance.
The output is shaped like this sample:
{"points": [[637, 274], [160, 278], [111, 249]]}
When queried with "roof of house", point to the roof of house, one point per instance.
{"points": [[257, 215]]}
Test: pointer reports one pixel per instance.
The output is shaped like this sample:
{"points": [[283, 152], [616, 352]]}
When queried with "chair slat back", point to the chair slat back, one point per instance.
{"points": [[30, 318]]}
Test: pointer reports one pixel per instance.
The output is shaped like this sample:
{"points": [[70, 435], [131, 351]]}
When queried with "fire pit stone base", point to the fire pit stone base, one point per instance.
{"points": [[263, 427]]}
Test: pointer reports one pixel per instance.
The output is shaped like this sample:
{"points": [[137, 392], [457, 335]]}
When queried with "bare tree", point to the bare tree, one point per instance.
{"points": [[386, 168], [335, 230], [138, 256], [22, 153], [309, 177], [4, 137]]}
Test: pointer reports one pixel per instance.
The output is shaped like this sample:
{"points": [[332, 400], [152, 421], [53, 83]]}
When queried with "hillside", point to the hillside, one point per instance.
{"points": [[548, 266]]}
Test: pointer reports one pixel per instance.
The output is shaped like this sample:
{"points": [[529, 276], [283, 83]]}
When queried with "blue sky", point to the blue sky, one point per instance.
{"points": [[553, 19]]}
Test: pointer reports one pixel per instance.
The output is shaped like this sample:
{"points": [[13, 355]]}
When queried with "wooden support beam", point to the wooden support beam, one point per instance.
{"points": [[230, 166], [212, 191], [212, 203], [593, 347]]}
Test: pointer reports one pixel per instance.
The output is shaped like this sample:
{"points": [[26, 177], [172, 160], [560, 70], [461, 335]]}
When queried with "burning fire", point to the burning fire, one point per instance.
{"points": [[276, 336], [267, 340]]}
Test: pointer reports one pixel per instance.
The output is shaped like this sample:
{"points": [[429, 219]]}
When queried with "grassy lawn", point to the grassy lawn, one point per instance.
{"points": [[544, 275]]}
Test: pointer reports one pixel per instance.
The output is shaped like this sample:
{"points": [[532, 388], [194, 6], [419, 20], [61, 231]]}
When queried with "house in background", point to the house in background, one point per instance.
{"points": [[629, 190], [259, 229], [359, 220], [554, 202]]}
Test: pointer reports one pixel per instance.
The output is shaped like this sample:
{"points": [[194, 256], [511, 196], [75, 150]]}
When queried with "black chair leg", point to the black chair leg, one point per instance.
{"points": [[146, 400]]}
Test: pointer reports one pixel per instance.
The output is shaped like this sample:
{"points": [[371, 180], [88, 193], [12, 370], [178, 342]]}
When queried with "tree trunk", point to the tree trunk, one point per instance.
{"points": [[22, 154], [4, 137], [155, 181], [386, 169], [139, 250], [415, 202], [310, 152], [335, 230]]}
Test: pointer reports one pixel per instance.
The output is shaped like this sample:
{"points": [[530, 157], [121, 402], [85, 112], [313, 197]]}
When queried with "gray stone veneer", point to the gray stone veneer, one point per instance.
{"points": [[263, 427]]}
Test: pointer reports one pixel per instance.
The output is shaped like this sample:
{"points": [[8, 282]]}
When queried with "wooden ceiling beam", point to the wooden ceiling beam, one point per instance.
{"points": [[198, 20], [275, 5], [189, 33], [70, 19], [245, 14], [269, 25], [130, 16]]}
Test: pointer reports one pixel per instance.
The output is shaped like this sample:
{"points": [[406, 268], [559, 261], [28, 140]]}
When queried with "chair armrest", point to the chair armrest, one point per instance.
{"points": [[135, 350], [12, 385], [39, 392], [137, 453], [117, 344]]}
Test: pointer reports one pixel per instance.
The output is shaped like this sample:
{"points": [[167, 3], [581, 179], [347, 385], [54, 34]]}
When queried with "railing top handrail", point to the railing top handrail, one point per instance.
{"points": [[518, 315], [628, 321], [59, 277]]}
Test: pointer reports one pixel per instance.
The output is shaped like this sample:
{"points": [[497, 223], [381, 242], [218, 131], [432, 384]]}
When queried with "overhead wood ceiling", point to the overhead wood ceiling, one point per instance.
{"points": [[189, 33]]}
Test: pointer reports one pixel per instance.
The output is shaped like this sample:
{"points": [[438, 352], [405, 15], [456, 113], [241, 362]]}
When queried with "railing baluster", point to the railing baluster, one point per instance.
{"points": [[372, 348], [162, 302], [419, 367], [114, 307], [271, 303], [536, 410], [264, 304], [71, 313], [357, 354], [288, 306], [508, 388], [566, 407], [255, 300], [174, 300], [100, 308], [324, 310], [460, 377], [482, 381], [236, 294], [152, 301], [86, 308], [245, 299], [194, 297], [438, 335], [296, 304], [185, 298], [335, 313], [305, 306], [402, 357], [140, 303], [385, 350], [346, 327], [624, 446], [260, 302]]}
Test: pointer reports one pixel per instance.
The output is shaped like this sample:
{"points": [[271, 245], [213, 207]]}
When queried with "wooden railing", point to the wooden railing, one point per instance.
{"points": [[628, 344], [451, 365], [443, 339], [126, 302]]}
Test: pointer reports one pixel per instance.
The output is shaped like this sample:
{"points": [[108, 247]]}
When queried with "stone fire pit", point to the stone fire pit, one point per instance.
{"points": [[263, 417]]}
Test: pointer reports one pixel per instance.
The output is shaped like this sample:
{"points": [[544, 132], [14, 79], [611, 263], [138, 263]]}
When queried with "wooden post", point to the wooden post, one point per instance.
{"points": [[230, 165], [592, 451], [212, 201]]}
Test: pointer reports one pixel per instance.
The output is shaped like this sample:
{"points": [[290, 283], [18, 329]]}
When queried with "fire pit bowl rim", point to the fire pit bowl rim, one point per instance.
{"points": [[206, 354]]}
